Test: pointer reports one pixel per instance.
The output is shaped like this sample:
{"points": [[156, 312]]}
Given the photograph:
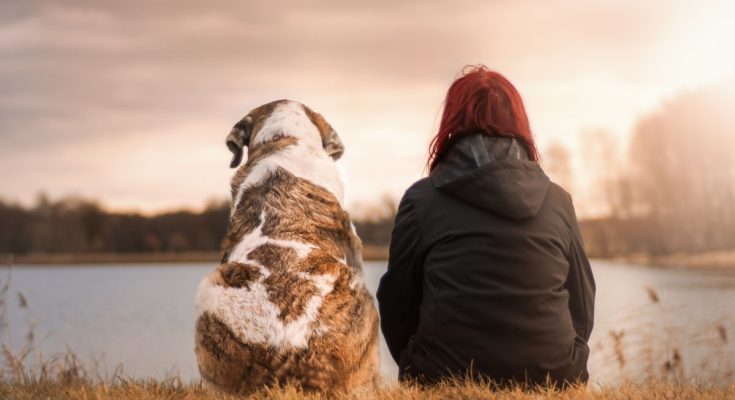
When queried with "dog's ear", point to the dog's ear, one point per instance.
{"points": [[333, 145], [330, 139], [238, 138]]}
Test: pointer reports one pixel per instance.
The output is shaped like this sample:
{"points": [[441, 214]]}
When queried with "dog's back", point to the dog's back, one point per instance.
{"points": [[288, 304]]}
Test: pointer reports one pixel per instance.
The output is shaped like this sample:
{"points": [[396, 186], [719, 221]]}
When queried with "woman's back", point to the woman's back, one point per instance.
{"points": [[496, 242]]}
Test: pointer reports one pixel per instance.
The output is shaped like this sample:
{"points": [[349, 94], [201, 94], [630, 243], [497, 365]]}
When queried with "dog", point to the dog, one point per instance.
{"points": [[287, 305]]}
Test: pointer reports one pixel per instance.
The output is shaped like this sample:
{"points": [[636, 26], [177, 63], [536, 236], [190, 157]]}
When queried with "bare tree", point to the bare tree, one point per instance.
{"points": [[558, 165], [601, 163], [684, 170]]}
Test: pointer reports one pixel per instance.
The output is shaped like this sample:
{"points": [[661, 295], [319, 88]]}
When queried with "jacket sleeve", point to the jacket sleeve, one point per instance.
{"points": [[399, 291], [580, 284]]}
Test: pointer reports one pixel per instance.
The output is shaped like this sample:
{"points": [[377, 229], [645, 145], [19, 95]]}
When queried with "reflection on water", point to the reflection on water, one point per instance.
{"points": [[142, 316]]}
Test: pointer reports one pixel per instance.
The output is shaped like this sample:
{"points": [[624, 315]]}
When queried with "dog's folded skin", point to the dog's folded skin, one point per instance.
{"points": [[288, 304]]}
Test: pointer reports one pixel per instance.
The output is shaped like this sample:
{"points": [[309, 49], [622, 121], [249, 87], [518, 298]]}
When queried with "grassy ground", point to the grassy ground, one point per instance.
{"points": [[459, 390]]}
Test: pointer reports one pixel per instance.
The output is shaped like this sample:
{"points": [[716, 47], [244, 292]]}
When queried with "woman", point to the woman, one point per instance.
{"points": [[487, 273]]}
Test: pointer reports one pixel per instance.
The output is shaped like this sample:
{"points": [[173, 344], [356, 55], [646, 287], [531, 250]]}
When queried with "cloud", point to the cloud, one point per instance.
{"points": [[84, 77]]}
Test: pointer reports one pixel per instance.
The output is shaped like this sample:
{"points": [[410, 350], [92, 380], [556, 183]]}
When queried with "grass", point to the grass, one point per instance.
{"points": [[451, 390]]}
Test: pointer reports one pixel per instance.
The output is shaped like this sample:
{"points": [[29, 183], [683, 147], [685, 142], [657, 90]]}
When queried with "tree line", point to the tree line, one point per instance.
{"points": [[672, 189], [76, 225]]}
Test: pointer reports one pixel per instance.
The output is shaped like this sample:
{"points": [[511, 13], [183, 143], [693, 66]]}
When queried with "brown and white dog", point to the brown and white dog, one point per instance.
{"points": [[288, 304]]}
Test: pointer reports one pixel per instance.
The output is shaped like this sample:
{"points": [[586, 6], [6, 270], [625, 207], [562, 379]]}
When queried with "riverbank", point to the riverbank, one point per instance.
{"points": [[113, 258], [370, 253], [462, 390], [722, 260], [712, 260]]}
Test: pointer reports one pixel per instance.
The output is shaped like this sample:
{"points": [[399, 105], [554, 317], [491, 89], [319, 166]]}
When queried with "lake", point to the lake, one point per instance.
{"points": [[648, 320]]}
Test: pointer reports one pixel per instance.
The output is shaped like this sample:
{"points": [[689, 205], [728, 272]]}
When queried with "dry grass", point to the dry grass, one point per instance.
{"points": [[653, 343], [456, 390]]}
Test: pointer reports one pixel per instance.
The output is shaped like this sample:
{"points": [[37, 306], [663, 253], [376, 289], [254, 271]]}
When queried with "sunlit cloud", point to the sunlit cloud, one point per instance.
{"points": [[129, 102]]}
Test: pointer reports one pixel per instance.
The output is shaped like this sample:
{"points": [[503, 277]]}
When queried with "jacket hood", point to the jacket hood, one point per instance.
{"points": [[493, 173]]}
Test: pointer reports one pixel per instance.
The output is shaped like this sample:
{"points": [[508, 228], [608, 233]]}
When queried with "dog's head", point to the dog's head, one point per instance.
{"points": [[282, 118]]}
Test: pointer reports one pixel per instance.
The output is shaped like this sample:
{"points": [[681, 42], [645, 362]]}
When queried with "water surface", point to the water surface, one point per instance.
{"points": [[142, 316]]}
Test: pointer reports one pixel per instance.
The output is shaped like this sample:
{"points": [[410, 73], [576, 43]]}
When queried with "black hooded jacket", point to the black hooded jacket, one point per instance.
{"points": [[487, 272]]}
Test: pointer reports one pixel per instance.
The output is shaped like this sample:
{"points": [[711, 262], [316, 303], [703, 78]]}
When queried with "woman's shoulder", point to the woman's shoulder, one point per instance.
{"points": [[561, 200], [419, 189], [559, 193], [417, 195]]}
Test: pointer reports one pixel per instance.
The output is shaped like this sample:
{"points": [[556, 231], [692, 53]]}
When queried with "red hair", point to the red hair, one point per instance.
{"points": [[485, 101]]}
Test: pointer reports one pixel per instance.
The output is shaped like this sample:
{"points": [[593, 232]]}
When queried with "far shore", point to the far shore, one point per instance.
{"points": [[714, 260], [370, 253], [711, 260]]}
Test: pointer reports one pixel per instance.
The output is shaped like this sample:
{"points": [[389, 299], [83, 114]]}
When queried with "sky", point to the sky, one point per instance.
{"points": [[129, 102]]}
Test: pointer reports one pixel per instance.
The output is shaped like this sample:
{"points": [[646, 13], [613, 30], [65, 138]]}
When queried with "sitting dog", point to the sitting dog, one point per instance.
{"points": [[287, 305]]}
